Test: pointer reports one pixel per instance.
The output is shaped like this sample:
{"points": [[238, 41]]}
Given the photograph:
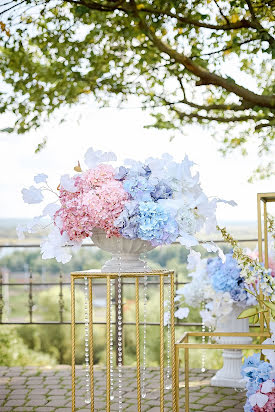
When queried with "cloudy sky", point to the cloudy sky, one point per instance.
{"points": [[121, 131]]}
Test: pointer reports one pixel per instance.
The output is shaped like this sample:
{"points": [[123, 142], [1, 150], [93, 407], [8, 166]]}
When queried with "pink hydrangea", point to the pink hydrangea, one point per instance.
{"points": [[270, 404], [98, 202]]}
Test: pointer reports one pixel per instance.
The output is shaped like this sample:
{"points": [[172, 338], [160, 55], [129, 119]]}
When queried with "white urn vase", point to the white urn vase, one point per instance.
{"points": [[125, 253], [230, 374]]}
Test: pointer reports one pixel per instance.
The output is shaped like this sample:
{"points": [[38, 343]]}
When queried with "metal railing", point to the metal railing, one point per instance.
{"points": [[31, 285]]}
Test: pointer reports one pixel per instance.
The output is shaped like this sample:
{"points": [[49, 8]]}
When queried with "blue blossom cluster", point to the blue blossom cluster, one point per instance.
{"points": [[147, 221], [142, 186], [143, 217], [255, 372], [225, 277]]}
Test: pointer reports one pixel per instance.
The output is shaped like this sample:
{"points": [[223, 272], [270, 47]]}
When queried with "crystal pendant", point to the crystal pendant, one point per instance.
{"points": [[168, 384], [203, 353], [86, 347], [112, 397], [119, 334], [143, 375]]}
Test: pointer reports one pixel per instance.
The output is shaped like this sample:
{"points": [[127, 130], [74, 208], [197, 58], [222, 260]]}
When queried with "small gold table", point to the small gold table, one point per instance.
{"points": [[184, 343], [92, 275]]}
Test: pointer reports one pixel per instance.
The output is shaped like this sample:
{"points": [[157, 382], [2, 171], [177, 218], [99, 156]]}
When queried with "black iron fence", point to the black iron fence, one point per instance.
{"points": [[29, 285]]}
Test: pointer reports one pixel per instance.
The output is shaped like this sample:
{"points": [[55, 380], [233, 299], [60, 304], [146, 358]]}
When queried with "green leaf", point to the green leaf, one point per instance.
{"points": [[249, 291], [7, 130], [249, 312], [270, 305]]}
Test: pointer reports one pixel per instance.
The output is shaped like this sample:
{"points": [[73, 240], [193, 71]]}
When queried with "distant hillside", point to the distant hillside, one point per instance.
{"points": [[240, 230]]}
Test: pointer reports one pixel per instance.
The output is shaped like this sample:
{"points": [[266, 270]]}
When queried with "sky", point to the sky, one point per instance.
{"points": [[121, 131]]}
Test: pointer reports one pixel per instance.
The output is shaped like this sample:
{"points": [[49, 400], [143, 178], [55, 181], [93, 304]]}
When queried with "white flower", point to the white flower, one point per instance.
{"points": [[53, 246], [32, 195], [188, 240], [193, 259], [267, 386], [182, 313], [211, 247], [40, 178], [207, 318], [33, 226], [269, 353], [258, 399], [51, 209], [68, 183], [94, 158]]}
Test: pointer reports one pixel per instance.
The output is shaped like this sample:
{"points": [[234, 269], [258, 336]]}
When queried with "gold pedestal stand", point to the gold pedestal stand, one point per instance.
{"points": [[91, 276]]}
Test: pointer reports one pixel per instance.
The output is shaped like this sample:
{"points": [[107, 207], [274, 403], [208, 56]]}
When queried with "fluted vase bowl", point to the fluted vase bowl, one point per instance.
{"points": [[125, 253]]}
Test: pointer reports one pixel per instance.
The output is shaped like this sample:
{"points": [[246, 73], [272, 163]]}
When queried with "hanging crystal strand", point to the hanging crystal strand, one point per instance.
{"points": [[87, 363], [203, 342], [119, 334], [143, 379], [168, 384], [111, 345]]}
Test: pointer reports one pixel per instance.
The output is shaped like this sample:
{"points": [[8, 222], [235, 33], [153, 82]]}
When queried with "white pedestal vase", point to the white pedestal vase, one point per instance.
{"points": [[230, 374], [125, 253]]}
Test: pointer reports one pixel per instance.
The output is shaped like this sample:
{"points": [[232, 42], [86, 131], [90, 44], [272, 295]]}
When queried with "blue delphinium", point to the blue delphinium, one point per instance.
{"points": [[156, 224], [225, 277]]}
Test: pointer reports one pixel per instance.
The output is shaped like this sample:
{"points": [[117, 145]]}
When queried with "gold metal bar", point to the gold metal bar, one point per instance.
{"points": [[137, 346], [223, 346], [172, 344], [265, 238], [108, 326], [241, 334], [177, 371], [91, 344], [73, 340], [161, 344], [186, 376], [260, 246]]}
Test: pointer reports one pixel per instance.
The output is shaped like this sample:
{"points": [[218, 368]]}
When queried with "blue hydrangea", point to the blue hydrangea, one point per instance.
{"points": [[142, 186], [225, 277], [255, 371], [156, 224], [128, 220]]}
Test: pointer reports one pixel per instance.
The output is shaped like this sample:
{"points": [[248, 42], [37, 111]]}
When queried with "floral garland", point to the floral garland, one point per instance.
{"points": [[159, 201]]}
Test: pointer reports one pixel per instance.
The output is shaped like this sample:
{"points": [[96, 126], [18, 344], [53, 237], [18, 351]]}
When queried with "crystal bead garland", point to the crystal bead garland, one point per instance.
{"points": [[168, 384], [119, 334], [145, 298], [111, 344], [87, 363], [203, 342]]}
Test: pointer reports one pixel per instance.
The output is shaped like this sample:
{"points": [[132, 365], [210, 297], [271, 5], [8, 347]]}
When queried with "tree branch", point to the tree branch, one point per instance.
{"points": [[233, 46], [221, 12], [206, 77]]}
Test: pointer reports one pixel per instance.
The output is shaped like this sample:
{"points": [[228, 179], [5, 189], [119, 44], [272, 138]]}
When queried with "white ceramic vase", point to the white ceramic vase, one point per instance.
{"points": [[230, 374], [125, 253]]}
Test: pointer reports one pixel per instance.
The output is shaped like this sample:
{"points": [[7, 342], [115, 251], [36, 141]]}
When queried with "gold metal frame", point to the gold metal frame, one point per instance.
{"points": [[137, 276], [263, 198], [184, 343]]}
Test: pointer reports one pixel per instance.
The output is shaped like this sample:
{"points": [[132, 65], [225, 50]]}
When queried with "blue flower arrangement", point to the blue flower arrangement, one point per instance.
{"points": [[225, 277]]}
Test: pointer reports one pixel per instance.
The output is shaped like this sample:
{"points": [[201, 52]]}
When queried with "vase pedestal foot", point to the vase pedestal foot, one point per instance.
{"points": [[228, 382], [230, 374]]}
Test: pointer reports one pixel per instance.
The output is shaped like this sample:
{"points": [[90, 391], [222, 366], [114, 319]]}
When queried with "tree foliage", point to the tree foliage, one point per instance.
{"points": [[206, 62]]}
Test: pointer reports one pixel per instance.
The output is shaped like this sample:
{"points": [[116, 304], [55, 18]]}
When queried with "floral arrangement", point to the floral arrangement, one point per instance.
{"points": [[260, 379], [159, 201], [217, 284], [259, 374]]}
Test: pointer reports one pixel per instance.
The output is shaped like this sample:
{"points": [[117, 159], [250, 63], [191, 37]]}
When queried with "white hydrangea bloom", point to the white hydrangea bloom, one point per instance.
{"points": [[94, 158], [32, 195], [68, 183], [51, 209], [182, 313]]}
